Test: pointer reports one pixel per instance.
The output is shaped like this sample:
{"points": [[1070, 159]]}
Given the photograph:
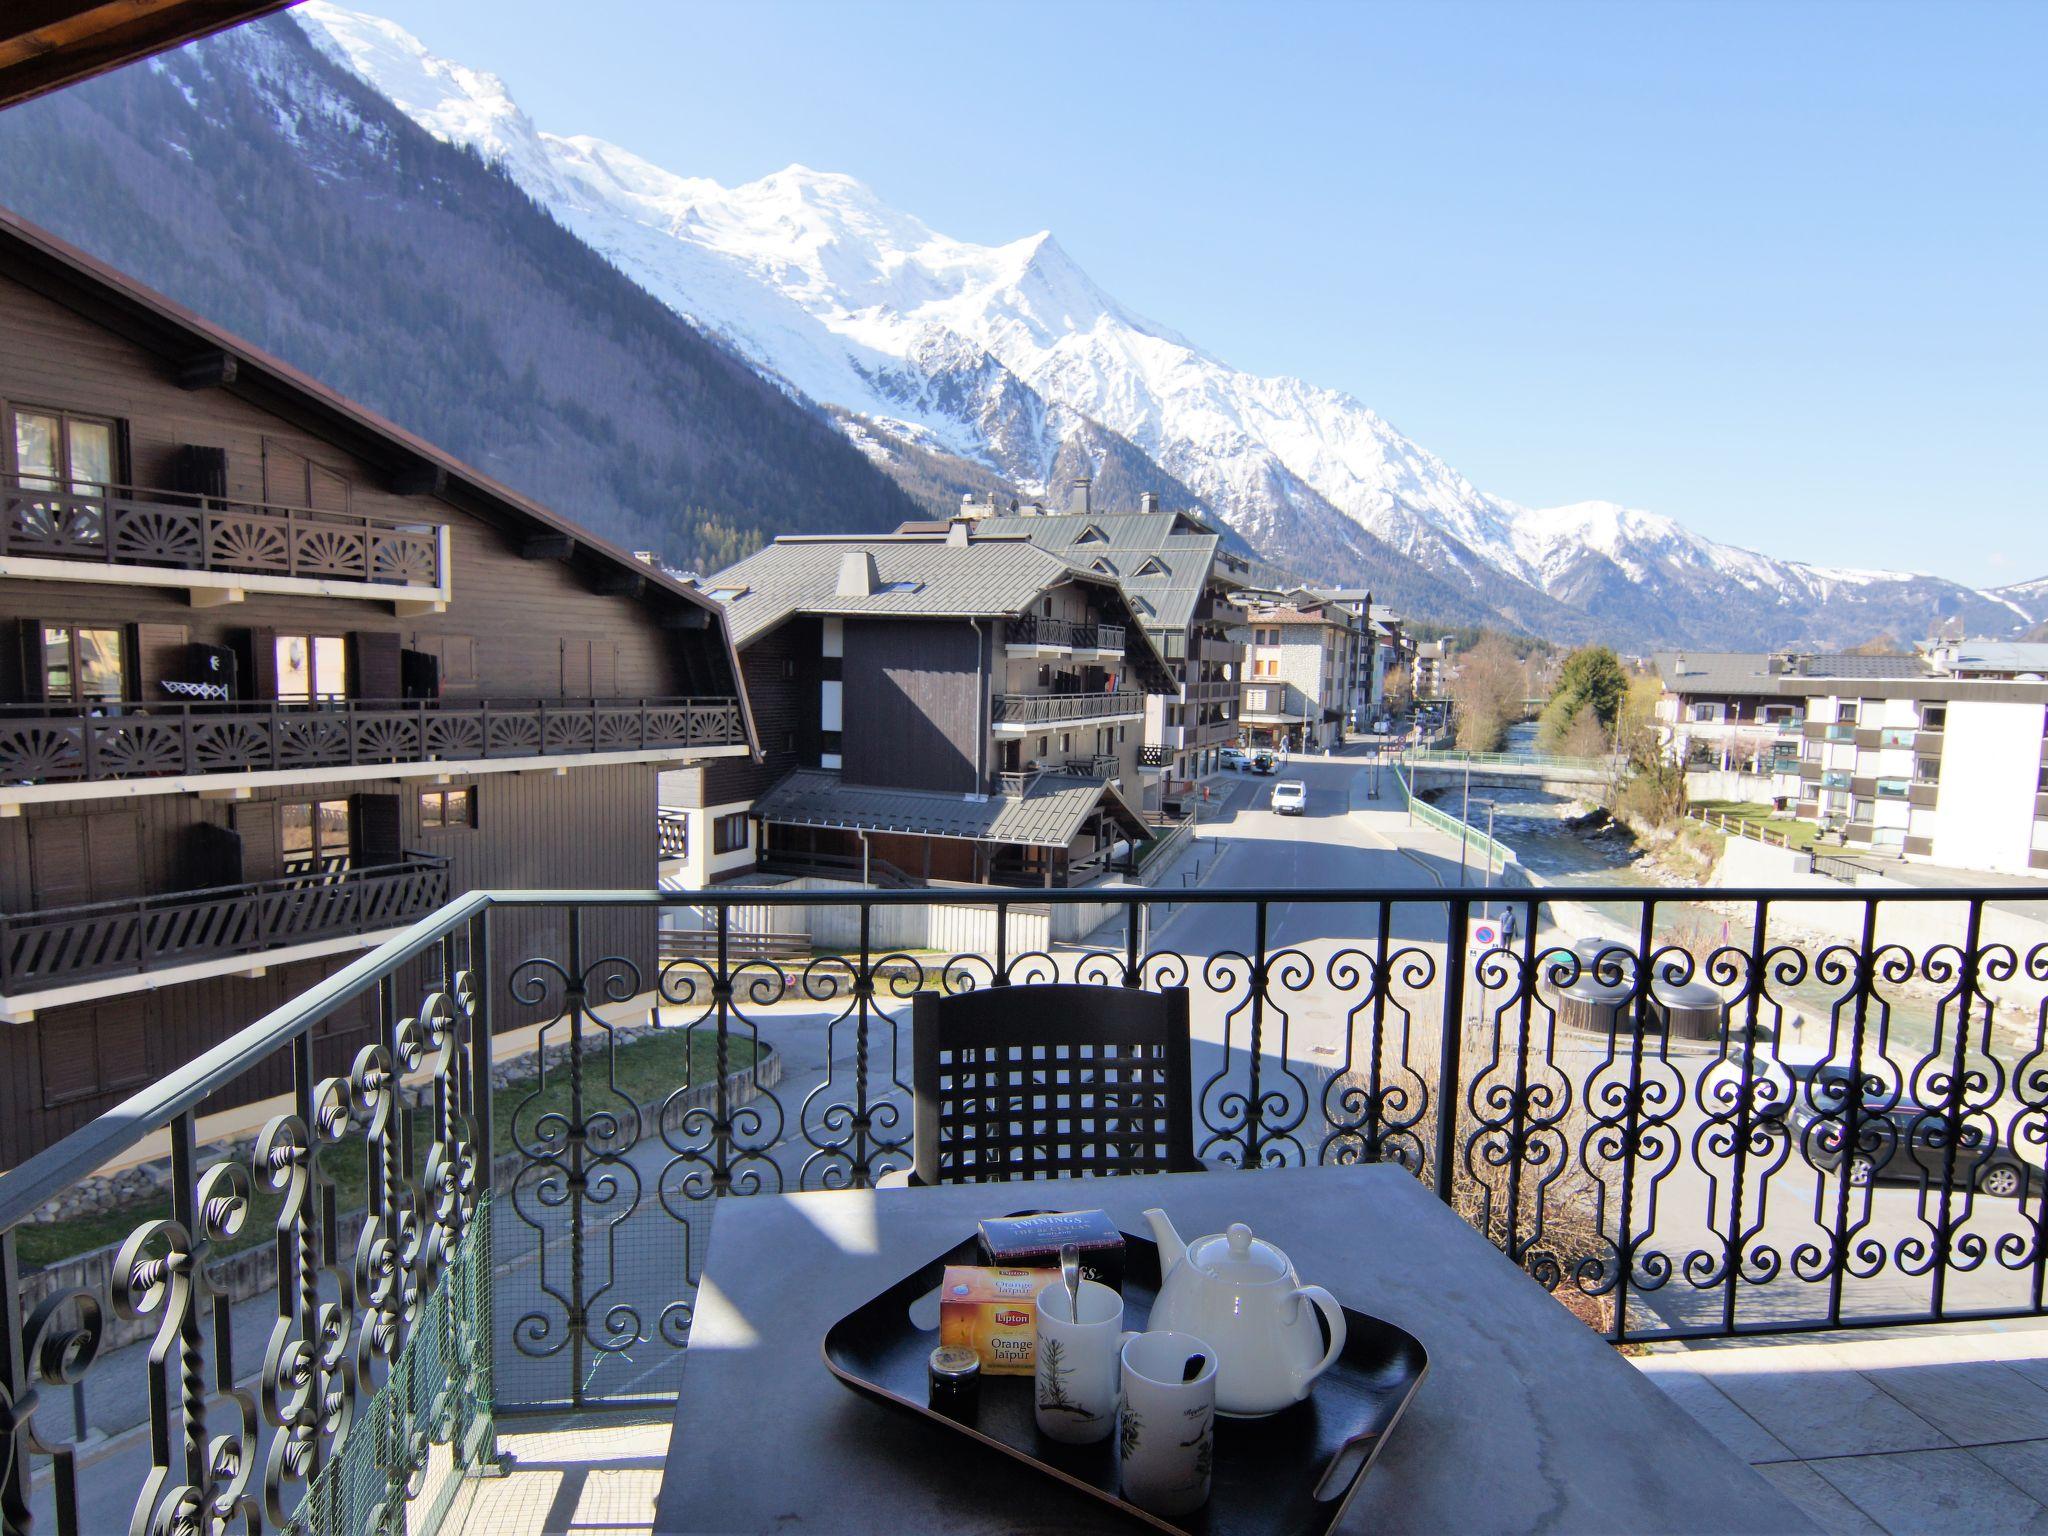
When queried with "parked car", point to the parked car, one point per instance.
{"points": [[1290, 797], [1902, 1141], [1382, 726], [1234, 757]]}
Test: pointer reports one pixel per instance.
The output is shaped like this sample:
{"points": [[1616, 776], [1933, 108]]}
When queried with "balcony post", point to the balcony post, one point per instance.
{"points": [[1450, 1047], [15, 1386]]}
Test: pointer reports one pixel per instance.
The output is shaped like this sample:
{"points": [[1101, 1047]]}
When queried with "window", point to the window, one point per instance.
{"points": [[55, 448], [1706, 713], [1891, 789], [830, 697], [729, 833], [311, 667], [789, 666], [315, 835], [442, 809], [1933, 717], [1927, 769], [1845, 712], [82, 664]]}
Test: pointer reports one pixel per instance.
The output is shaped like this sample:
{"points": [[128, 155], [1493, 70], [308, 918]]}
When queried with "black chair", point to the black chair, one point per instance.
{"points": [[1042, 1082]]}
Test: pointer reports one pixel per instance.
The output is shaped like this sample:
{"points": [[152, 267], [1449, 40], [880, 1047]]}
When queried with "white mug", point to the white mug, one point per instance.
{"points": [[1077, 1362], [1166, 1427]]}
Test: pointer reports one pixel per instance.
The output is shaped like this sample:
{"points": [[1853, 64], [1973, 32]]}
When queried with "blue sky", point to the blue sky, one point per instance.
{"points": [[1778, 270]]}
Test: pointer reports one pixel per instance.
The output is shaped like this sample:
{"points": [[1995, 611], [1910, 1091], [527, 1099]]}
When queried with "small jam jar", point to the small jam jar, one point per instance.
{"points": [[954, 1375]]}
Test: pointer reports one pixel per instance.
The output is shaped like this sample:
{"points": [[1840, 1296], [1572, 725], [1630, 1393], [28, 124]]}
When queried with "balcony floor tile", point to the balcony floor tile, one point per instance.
{"points": [[571, 1473]]}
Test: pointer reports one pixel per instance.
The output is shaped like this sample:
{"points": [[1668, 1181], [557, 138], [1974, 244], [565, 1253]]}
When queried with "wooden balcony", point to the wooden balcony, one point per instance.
{"points": [[1016, 713], [44, 744], [40, 950], [1034, 634], [217, 548]]}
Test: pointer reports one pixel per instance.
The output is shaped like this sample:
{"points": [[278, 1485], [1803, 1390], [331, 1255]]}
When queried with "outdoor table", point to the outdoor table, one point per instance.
{"points": [[1527, 1420]]}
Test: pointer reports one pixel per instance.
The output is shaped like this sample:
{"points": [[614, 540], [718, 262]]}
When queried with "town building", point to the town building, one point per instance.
{"points": [[1178, 576], [1393, 652], [278, 678], [1430, 677], [1362, 694], [933, 707], [1724, 711], [1300, 668]]}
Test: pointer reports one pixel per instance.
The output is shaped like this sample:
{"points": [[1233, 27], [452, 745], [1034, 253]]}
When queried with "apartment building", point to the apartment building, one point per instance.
{"points": [[1724, 711], [1942, 754], [1362, 692], [1178, 577], [276, 679], [1393, 651], [1429, 675], [1299, 669], [932, 706]]}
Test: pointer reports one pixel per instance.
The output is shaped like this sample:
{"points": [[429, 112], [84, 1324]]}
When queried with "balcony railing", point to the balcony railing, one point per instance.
{"points": [[1699, 1113], [1028, 709], [1065, 634], [674, 830], [120, 525], [45, 744], [1096, 765], [62, 945]]}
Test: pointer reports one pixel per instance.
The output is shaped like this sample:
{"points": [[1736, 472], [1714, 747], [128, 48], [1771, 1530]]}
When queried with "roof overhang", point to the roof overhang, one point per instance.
{"points": [[46, 44]]}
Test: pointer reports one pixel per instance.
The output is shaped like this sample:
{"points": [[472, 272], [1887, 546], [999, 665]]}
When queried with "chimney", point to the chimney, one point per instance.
{"points": [[1148, 501], [1678, 665], [857, 574], [1082, 497], [957, 535]]}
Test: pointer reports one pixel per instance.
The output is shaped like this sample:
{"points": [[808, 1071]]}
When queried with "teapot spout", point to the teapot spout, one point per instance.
{"points": [[1171, 1249]]}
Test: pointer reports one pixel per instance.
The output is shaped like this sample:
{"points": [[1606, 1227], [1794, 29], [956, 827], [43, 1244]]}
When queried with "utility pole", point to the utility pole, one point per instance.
{"points": [[1465, 818]]}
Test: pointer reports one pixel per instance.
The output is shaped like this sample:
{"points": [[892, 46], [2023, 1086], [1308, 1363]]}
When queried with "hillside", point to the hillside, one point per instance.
{"points": [[254, 181]]}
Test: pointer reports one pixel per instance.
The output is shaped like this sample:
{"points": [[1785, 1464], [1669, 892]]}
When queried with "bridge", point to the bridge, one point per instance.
{"points": [[1506, 770]]}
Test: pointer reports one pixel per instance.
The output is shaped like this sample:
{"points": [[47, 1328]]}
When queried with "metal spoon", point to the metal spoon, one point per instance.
{"points": [[1070, 1272]]}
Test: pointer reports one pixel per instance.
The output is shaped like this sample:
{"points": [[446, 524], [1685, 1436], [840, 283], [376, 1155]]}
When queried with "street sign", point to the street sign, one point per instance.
{"points": [[1485, 933]]}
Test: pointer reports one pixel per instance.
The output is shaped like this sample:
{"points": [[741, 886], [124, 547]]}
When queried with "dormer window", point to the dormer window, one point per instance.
{"points": [[1153, 567], [1092, 535], [1103, 568], [1142, 608]]}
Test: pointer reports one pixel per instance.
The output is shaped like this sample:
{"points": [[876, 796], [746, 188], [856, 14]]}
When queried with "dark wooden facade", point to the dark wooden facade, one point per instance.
{"points": [[535, 615], [917, 704]]}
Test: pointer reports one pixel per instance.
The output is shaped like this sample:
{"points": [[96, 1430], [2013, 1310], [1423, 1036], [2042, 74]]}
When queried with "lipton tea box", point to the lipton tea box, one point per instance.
{"points": [[994, 1312]]}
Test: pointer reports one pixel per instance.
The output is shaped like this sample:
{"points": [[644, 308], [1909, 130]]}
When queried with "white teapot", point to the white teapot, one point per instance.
{"points": [[1242, 1298]]}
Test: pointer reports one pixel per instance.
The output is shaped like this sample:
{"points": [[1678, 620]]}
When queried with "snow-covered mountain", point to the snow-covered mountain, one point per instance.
{"points": [[1008, 355]]}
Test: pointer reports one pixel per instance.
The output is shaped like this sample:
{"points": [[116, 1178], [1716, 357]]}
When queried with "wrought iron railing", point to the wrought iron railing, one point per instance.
{"points": [[1068, 634], [62, 945], [1698, 1113], [130, 525], [1066, 708], [673, 829], [55, 744]]}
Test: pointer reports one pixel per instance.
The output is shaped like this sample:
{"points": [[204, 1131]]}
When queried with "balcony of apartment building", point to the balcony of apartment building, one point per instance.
{"points": [[1273, 703], [1019, 714], [1034, 634], [126, 745], [214, 547], [58, 955], [643, 1335]]}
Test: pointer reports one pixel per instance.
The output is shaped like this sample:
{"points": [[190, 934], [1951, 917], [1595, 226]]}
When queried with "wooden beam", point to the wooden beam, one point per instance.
{"points": [[214, 369], [613, 582], [48, 43], [690, 617], [420, 480], [548, 546]]}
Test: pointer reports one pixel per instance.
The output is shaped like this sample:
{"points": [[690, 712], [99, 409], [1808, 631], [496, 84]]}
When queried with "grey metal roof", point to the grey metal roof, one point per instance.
{"points": [[1863, 666], [1998, 656], [1048, 815], [1124, 542], [1720, 672], [916, 577]]}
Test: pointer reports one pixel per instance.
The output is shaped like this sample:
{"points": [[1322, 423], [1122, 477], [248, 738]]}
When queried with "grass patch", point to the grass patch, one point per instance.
{"points": [[1759, 818], [646, 1070]]}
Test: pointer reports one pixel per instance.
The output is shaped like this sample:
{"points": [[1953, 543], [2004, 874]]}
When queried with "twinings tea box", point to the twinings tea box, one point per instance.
{"points": [[1036, 1240], [994, 1312]]}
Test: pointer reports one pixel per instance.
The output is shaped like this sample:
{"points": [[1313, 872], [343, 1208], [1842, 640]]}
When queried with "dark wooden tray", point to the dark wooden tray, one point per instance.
{"points": [[1290, 1474]]}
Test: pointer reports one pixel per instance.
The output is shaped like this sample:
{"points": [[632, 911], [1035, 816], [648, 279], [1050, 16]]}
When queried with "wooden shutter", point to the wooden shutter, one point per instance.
{"points": [[210, 856], [123, 1042], [26, 680], [59, 869], [64, 1041], [284, 475], [262, 669], [114, 855], [326, 490], [378, 667], [160, 657], [262, 854], [379, 837], [200, 471]]}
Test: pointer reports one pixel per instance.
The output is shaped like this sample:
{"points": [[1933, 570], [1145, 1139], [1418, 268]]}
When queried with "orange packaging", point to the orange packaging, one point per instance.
{"points": [[994, 1312]]}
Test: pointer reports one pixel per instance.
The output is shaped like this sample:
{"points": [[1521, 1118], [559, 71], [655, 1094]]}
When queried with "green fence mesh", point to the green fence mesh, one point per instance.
{"points": [[430, 1424]]}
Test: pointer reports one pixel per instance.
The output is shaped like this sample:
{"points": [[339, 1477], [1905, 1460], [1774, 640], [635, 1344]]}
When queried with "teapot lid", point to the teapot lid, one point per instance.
{"points": [[1238, 1257]]}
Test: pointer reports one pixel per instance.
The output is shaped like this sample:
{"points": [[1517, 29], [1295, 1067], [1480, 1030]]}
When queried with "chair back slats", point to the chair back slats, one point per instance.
{"points": [[1057, 1081]]}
